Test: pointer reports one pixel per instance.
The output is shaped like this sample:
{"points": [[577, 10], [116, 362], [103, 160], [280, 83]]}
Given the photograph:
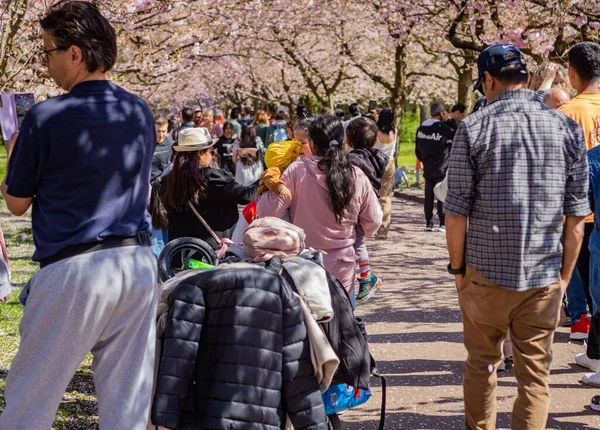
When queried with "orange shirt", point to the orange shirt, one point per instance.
{"points": [[585, 110]]}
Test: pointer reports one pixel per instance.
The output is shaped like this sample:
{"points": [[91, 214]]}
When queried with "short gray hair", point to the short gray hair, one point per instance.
{"points": [[436, 109]]}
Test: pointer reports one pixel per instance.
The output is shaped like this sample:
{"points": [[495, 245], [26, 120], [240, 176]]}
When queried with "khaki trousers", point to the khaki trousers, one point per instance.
{"points": [[489, 312], [385, 198]]}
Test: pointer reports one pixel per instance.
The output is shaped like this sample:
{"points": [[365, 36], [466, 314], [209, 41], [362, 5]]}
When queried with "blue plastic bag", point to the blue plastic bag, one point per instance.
{"points": [[341, 397]]}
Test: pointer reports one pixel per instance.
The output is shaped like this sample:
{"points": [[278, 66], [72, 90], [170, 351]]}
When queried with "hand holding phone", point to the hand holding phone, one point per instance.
{"points": [[10, 143]]}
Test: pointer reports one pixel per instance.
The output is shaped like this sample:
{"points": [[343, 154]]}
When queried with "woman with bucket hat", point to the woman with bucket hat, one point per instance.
{"points": [[213, 192]]}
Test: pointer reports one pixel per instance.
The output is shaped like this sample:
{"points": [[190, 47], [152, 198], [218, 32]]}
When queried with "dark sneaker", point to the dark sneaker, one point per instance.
{"points": [[595, 403], [429, 227], [505, 365], [367, 287]]}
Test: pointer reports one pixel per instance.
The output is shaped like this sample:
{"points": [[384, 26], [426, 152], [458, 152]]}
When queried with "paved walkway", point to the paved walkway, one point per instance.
{"points": [[415, 334]]}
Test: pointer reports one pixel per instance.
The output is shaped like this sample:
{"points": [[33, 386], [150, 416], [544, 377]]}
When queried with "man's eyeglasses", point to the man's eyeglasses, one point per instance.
{"points": [[43, 55]]}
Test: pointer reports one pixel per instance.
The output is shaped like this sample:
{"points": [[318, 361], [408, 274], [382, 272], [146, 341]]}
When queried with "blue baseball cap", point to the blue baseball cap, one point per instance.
{"points": [[496, 57]]}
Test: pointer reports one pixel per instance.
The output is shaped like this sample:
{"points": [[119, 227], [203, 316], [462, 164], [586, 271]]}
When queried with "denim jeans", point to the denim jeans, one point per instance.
{"points": [[576, 300], [159, 240], [593, 350]]}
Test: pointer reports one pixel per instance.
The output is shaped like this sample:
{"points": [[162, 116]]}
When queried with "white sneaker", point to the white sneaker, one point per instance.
{"points": [[584, 361], [591, 379], [578, 336]]}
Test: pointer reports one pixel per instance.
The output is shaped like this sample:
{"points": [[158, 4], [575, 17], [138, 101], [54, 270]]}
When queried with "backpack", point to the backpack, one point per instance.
{"points": [[272, 237], [348, 338], [276, 134]]}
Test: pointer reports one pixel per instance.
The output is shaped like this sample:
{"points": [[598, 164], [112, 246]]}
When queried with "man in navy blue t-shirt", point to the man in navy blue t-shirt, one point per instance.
{"points": [[82, 161]]}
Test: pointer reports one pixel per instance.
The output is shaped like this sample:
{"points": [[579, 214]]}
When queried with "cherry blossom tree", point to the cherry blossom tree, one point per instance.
{"points": [[19, 43], [333, 51], [541, 29]]}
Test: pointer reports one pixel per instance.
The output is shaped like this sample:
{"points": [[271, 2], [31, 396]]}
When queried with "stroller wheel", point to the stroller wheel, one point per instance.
{"points": [[176, 256], [334, 422]]}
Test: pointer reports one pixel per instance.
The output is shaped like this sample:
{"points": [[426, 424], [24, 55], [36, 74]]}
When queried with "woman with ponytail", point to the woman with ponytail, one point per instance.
{"points": [[329, 198]]}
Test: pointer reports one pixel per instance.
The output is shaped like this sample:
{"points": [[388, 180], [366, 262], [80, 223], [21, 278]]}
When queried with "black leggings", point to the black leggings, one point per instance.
{"points": [[429, 196]]}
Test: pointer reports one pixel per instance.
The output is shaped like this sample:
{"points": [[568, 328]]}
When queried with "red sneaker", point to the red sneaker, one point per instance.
{"points": [[580, 330]]}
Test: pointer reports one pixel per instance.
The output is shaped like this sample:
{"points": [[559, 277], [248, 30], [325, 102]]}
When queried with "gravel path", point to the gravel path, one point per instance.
{"points": [[415, 334]]}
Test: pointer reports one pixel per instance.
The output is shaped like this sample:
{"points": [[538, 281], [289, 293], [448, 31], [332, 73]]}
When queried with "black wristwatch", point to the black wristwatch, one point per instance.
{"points": [[460, 271]]}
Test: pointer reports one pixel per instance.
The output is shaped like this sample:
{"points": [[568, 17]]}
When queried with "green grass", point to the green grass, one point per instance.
{"points": [[78, 406], [2, 163]]}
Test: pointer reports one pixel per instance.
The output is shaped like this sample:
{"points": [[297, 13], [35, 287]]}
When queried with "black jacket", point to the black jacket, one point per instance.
{"points": [[161, 158], [225, 156], [434, 140], [236, 355], [219, 208], [451, 122], [372, 162]]}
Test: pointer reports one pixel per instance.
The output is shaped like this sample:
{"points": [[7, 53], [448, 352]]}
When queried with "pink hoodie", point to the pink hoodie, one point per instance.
{"points": [[310, 209]]}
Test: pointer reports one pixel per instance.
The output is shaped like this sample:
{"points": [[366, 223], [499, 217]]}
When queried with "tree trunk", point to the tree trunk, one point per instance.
{"points": [[465, 83], [423, 113], [398, 96]]}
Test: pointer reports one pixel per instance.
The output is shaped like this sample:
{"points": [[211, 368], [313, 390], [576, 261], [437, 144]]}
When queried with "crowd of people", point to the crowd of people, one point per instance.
{"points": [[516, 183], [232, 159]]}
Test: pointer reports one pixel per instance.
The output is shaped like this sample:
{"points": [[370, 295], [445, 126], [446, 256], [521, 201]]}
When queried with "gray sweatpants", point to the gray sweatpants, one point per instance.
{"points": [[103, 302]]}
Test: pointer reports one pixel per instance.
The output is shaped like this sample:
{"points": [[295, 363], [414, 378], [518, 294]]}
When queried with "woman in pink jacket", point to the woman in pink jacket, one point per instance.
{"points": [[329, 198]]}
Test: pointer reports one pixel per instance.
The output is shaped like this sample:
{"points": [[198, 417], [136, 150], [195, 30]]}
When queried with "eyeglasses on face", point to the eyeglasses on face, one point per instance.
{"points": [[43, 55]]}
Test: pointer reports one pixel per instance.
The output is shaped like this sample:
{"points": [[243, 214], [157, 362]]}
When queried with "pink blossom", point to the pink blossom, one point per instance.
{"points": [[581, 20]]}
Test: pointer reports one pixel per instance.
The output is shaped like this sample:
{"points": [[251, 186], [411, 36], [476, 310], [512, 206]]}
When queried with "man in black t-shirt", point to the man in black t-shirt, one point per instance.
{"points": [[434, 139]]}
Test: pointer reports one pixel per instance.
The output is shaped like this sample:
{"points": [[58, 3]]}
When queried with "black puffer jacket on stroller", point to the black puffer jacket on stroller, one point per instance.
{"points": [[236, 355]]}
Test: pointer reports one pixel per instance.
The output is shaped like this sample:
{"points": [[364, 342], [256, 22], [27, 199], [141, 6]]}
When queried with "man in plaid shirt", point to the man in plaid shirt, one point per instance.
{"points": [[517, 168]]}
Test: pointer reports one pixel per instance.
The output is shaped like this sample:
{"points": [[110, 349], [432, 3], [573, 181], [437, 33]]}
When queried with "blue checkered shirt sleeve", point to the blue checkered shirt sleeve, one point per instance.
{"points": [[460, 176], [576, 195]]}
